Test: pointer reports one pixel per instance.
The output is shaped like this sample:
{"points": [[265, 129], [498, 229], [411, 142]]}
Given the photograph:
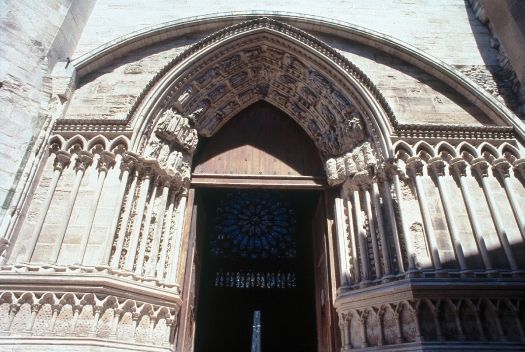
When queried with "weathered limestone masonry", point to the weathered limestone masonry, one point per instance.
{"points": [[35, 36], [429, 169]]}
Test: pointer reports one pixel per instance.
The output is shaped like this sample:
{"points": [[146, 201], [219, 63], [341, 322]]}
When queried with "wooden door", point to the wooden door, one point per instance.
{"points": [[323, 294]]}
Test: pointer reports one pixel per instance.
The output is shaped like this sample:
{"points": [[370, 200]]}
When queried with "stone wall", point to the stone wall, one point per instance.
{"points": [[34, 36], [442, 28]]}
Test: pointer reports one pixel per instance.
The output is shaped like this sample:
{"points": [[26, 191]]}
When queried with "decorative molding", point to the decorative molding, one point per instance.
{"points": [[66, 314], [270, 61]]}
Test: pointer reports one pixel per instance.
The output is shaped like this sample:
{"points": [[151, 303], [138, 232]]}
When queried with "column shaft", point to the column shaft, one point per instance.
{"points": [[411, 254], [177, 239], [355, 260], [427, 222], [116, 215], [381, 228], [124, 224], [158, 232], [373, 236], [61, 158], [497, 222], [341, 242], [67, 216], [166, 238], [93, 209], [137, 223], [515, 204], [459, 166], [145, 232], [458, 249], [361, 234], [393, 225]]}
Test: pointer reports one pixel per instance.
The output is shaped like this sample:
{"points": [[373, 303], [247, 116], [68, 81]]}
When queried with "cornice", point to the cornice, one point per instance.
{"points": [[89, 281]]}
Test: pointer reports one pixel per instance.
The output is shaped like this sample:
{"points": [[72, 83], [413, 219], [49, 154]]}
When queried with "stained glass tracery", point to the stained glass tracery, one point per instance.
{"points": [[253, 225]]}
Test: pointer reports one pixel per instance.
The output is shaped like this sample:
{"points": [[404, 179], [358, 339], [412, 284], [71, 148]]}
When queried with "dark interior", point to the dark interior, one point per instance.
{"points": [[225, 314]]}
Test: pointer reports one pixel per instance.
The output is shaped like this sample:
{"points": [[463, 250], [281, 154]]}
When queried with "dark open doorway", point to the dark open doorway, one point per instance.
{"points": [[255, 253]]}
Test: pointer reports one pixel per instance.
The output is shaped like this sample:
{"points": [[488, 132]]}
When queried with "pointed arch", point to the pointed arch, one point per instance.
{"points": [[423, 146], [120, 140], [489, 148], [99, 139], [404, 147], [174, 29], [508, 148], [468, 148], [445, 147], [77, 139], [330, 98]]}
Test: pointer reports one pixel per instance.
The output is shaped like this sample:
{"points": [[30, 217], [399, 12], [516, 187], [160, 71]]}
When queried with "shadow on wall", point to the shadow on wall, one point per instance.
{"points": [[497, 76]]}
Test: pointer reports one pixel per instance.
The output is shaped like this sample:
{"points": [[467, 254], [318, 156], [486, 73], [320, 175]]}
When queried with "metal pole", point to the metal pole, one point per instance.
{"points": [[256, 332]]}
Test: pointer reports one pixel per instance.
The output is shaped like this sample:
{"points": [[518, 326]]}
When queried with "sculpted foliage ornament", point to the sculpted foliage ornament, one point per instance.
{"points": [[352, 164]]}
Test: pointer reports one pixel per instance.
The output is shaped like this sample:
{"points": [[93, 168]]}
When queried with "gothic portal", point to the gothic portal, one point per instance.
{"points": [[356, 191]]}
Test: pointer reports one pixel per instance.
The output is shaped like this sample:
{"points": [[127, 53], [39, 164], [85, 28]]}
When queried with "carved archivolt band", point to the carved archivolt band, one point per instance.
{"points": [[274, 63]]}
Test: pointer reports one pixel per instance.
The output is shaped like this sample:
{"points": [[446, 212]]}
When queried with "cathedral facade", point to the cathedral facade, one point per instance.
{"points": [[347, 180]]}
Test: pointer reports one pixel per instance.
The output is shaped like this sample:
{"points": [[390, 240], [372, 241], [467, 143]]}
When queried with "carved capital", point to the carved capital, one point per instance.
{"points": [[519, 167], [458, 167], [105, 160], [480, 167], [62, 159], [501, 167], [414, 166], [437, 165], [35, 308], [84, 159], [129, 160]]}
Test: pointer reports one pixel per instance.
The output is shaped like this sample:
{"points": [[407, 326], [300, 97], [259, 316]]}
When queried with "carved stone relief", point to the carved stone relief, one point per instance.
{"points": [[227, 83], [432, 320], [86, 316], [350, 165]]}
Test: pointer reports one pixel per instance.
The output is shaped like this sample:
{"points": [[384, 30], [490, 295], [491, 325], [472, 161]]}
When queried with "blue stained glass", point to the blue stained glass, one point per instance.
{"points": [[254, 224]]}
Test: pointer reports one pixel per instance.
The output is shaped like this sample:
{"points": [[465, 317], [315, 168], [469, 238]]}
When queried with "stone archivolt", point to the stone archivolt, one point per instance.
{"points": [[277, 63]]}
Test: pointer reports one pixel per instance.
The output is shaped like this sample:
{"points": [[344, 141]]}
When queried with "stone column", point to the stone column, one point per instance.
{"points": [[437, 165], [83, 160], [394, 172], [147, 224], [158, 229], [458, 167], [373, 236], [127, 162], [342, 243], [137, 222], [380, 227], [361, 235], [60, 161], [355, 260], [481, 167], [415, 167], [501, 167], [387, 198], [125, 218], [345, 333], [105, 161], [166, 237], [177, 238]]}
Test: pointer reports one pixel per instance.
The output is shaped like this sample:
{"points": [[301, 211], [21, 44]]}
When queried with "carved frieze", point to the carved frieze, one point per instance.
{"points": [[66, 314]]}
